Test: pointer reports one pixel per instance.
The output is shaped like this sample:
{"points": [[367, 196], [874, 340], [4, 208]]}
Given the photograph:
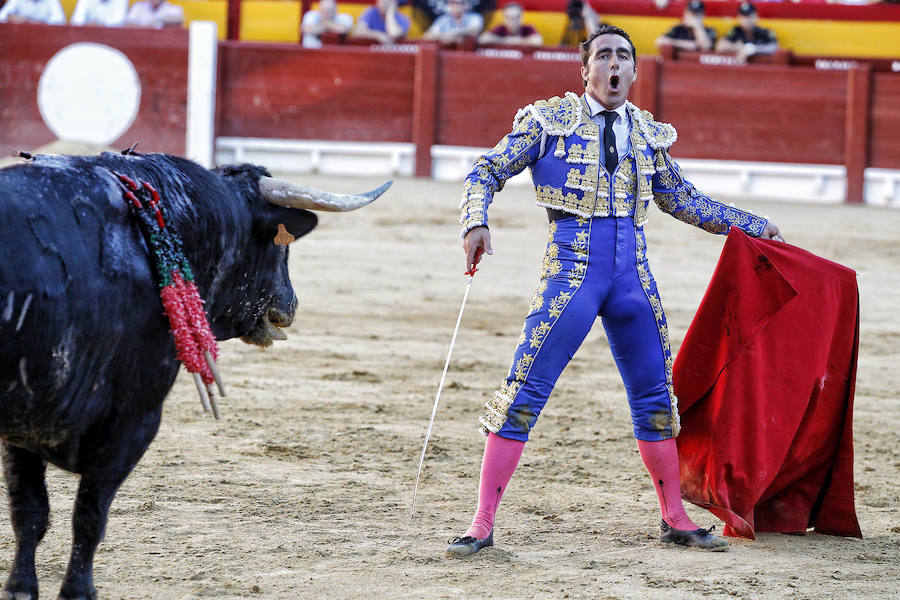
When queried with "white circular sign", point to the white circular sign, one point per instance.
{"points": [[89, 93]]}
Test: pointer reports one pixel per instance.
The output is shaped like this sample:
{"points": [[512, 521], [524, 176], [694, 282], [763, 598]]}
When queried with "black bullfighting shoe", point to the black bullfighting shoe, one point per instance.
{"points": [[467, 546], [698, 538]]}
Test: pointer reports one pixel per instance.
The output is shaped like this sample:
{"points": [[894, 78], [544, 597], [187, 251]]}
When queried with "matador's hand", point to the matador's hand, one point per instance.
{"points": [[772, 232], [476, 238]]}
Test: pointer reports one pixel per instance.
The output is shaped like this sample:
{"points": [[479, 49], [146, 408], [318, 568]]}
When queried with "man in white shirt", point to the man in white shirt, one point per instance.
{"points": [[155, 13], [105, 13], [455, 25], [49, 12], [322, 20]]}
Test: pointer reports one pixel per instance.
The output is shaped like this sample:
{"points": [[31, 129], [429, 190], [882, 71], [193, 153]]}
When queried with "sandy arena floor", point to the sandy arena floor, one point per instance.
{"points": [[303, 490]]}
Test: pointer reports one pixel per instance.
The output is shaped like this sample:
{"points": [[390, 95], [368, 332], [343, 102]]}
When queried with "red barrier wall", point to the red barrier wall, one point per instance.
{"points": [[159, 56], [284, 91], [767, 113], [478, 97], [884, 140]]}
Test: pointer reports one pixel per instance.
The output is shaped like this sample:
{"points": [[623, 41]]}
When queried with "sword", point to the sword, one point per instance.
{"points": [[470, 274]]}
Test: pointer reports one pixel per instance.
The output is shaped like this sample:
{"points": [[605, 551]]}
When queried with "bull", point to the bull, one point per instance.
{"points": [[87, 357]]}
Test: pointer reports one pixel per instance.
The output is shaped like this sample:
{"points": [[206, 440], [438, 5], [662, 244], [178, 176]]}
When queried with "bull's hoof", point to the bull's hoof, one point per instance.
{"points": [[69, 595], [8, 595], [19, 588], [92, 595]]}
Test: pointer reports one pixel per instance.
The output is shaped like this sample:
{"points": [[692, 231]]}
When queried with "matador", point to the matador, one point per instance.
{"points": [[596, 161]]}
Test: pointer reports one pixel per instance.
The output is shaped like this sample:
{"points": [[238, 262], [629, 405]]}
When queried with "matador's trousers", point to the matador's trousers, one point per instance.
{"points": [[592, 266]]}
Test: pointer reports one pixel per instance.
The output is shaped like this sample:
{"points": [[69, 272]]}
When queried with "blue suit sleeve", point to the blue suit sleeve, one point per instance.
{"points": [[517, 150], [677, 196]]}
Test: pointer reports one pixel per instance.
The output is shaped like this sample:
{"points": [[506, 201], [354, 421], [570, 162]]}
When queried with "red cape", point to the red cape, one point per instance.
{"points": [[765, 380]]}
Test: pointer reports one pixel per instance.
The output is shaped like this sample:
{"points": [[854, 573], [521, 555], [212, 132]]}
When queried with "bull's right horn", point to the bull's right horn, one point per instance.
{"points": [[284, 193]]}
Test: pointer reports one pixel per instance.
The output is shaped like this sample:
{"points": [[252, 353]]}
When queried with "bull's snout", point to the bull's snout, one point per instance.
{"points": [[281, 318], [268, 329]]}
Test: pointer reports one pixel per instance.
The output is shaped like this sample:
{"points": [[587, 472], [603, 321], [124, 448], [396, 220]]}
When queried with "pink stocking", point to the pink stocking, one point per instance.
{"points": [[500, 459], [661, 460]]}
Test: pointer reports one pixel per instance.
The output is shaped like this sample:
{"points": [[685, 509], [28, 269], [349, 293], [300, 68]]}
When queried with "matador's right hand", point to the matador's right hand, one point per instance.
{"points": [[477, 238]]}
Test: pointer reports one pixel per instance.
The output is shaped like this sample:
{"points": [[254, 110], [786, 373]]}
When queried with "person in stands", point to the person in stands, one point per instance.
{"points": [[104, 13], [512, 31], [456, 25], [747, 39], [324, 20], [383, 23], [49, 12], [155, 13], [691, 34]]}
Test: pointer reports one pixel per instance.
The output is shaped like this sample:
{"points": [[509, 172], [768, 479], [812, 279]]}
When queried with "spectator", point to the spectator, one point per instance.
{"points": [[106, 13], [690, 34], [581, 21], [154, 13], [746, 38], [512, 31], [323, 20], [49, 12], [382, 23], [426, 11], [455, 25]]}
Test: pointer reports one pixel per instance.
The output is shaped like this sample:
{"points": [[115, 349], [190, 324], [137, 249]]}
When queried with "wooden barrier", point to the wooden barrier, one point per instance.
{"points": [[159, 56], [884, 119], [288, 92]]}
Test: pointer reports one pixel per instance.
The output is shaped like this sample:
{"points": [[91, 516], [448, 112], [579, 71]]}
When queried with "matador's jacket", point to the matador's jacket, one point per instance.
{"points": [[595, 263]]}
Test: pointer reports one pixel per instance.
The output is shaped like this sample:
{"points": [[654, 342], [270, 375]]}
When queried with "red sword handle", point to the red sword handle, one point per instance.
{"points": [[478, 253]]}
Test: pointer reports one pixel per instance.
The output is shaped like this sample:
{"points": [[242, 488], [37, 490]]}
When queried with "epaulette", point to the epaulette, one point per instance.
{"points": [[659, 135], [557, 116]]}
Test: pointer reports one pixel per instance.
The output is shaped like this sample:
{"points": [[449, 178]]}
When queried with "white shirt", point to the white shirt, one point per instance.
{"points": [[314, 17], [110, 13], [143, 14], [621, 126], [44, 11], [468, 22]]}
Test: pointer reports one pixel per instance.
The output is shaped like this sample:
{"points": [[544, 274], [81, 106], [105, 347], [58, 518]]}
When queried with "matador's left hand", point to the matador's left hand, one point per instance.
{"points": [[772, 232]]}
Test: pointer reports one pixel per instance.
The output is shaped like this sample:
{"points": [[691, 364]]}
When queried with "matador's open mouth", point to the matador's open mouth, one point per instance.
{"points": [[614, 83]]}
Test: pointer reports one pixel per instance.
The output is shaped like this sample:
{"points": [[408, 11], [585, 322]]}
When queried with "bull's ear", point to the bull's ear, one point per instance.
{"points": [[284, 225]]}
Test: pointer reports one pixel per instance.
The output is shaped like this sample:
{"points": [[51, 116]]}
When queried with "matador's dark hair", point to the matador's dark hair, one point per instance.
{"points": [[605, 28]]}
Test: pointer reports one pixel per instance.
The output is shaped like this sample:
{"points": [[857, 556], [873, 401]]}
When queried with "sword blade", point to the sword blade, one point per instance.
{"points": [[438, 395]]}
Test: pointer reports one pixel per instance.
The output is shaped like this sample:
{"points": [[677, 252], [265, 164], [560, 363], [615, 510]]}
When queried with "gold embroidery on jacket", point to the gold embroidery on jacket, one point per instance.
{"points": [[589, 154], [588, 131], [602, 206], [624, 188], [586, 181], [551, 197], [558, 116]]}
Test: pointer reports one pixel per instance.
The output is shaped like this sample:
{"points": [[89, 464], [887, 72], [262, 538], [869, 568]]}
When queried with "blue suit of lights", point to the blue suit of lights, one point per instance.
{"points": [[595, 262]]}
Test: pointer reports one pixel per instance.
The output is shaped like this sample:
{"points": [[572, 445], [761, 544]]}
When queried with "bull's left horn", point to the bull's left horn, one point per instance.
{"points": [[283, 193]]}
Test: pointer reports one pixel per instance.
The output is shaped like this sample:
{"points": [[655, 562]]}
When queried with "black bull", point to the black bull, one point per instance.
{"points": [[86, 356]]}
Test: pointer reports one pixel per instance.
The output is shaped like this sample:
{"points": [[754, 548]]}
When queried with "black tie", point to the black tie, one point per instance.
{"points": [[609, 140]]}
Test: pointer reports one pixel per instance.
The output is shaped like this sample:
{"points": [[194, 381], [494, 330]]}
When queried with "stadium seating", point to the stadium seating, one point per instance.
{"points": [[814, 29]]}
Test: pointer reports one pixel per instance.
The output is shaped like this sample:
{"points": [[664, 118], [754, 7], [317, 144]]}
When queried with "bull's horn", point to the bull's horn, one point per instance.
{"points": [[283, 193]]}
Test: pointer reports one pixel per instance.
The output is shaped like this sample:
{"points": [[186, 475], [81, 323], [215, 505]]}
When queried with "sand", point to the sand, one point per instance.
{"points": [[303, 489]]}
